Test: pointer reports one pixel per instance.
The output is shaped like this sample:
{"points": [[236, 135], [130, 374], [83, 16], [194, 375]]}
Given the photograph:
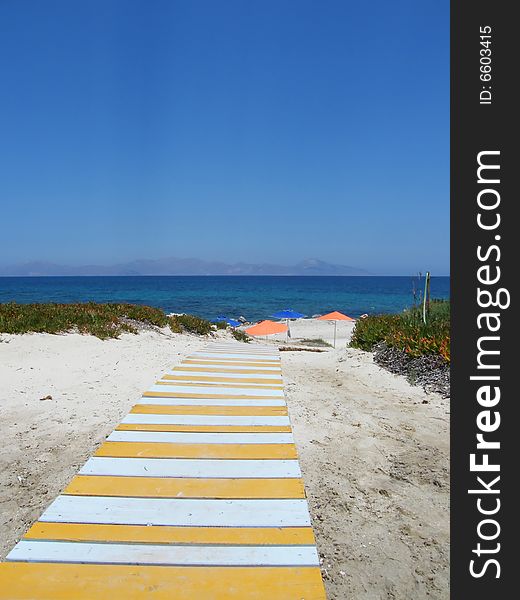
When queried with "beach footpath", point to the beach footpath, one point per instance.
{"points": [[373, 449], [196, 493]]}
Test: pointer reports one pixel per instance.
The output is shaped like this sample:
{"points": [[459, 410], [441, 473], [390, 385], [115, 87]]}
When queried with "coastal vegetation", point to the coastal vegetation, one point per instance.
{"points": [[191, 324], [414, 343], [240, 336], [408, 331], [101, 320]]}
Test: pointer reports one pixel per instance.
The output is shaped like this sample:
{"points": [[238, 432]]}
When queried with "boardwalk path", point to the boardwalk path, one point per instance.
{"points": [[196, 495]]}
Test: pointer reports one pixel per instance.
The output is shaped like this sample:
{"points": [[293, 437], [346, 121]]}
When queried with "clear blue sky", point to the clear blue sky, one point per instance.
{"points": [[266, 130]]}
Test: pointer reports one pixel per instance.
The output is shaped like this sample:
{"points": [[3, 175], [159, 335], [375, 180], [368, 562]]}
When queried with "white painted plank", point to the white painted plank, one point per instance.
{"points": [[163, 554], [187, 437], [212, 384], [189, 467], [178, 512], [246, 421], [238, 356], [228, 391], [246, 350], [275, 378], [224, 368], [211, 401], [249, 347]]}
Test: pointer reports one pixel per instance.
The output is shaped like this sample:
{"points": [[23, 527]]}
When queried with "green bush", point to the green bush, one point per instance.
{"points": [[175, 326], [240, 336], [221, 325], [193, 324], [101, 320], [407, 331]]}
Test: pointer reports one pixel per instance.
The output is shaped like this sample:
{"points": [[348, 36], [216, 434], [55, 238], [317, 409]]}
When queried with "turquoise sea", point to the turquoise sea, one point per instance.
{"points": [[252, 297]]}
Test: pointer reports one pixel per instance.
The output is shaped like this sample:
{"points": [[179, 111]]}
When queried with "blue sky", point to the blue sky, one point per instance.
{"points": [[257, 131]]}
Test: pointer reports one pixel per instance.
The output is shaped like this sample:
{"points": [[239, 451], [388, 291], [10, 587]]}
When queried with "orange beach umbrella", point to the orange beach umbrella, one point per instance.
{"points": [[335, 316], [266, 328]]}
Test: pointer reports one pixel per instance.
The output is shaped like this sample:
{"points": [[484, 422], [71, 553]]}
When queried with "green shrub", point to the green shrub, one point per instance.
{"points": [[240, 336], [193, 324], [101, 320], [407, 331], [368, 332], [175, 326], [221, 325]]}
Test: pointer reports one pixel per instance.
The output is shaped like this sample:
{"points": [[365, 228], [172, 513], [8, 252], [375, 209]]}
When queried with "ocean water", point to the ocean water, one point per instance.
{"points": [[252, 297]]}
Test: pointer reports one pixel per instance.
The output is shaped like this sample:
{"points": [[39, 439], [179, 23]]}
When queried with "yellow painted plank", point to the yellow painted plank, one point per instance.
{"points": [[48, 581], [184, 487], [164, 409], [205, 428], [188, 395], [167, 450], [172, 535], [208, 369]]}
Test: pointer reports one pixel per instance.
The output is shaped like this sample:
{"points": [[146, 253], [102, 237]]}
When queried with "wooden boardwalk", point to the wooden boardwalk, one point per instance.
{"points": [[196, 495]]}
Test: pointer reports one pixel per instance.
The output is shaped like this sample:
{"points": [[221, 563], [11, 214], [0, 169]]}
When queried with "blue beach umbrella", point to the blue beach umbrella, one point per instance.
{"points": [[231, 322], [288, 314]]}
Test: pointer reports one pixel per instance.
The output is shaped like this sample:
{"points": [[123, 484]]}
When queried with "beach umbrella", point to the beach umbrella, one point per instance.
{"points": [[335, 316], [266, 328], [288, 314], [222, 319]]}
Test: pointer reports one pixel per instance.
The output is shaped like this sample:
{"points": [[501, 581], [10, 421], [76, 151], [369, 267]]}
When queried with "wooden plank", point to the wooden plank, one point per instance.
{"points": [[204, 394], [185, 437], [175, 383], [282, 536], [215, 451], [184, 487], [228, 371], [180, 467], [210, 368], [211, 401], [209, 382], [261, 354], [202, 428], [226, 378], [164, 554], [18, 581], [166, 409], [189, 391], [237, 356], [205, 419], [243, 346], [276, 377], [178, 511], [233, 363]]}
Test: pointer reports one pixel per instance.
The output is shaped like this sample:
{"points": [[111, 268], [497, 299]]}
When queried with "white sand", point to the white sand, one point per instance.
{"points": [[374, 450]]}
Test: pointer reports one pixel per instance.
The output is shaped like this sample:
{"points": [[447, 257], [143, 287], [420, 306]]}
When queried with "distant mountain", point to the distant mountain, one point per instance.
{"points": [[179, 266]]}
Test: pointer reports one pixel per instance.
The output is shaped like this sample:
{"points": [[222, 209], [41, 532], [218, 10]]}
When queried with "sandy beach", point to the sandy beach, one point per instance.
{"points": [[374, 450]]}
